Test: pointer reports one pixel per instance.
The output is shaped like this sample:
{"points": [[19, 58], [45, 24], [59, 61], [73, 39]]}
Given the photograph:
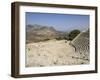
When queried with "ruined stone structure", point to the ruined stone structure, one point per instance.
{"points": [[81, 44]]}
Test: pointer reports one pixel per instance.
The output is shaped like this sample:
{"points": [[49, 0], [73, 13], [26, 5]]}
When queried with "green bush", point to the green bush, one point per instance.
{"points": [[59, 38], [73, 34], [45, 39]]}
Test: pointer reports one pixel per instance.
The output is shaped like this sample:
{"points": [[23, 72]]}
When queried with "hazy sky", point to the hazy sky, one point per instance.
{"points": [[61, 22]]}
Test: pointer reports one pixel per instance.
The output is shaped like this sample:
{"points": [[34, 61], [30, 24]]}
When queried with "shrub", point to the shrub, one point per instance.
{"points": [[59, 38], [73, 34]]}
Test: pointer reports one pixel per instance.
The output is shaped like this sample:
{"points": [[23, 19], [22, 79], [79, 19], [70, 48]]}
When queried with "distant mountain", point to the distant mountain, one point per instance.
{"points": [[36, 33]]}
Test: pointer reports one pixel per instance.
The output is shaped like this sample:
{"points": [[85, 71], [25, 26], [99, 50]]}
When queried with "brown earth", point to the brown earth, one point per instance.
{"points": [[52, 53]]}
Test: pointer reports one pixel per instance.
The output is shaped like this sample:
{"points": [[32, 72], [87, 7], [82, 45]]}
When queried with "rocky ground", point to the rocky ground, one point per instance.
{"points": [[52, 53]]}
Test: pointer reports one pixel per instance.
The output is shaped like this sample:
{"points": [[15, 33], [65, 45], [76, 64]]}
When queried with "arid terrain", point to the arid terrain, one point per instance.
{"points": [[46, 46], [53, 53]]}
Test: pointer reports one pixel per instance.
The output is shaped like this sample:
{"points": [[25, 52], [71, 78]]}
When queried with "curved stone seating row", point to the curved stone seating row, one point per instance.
{"points": [[81, 43]]}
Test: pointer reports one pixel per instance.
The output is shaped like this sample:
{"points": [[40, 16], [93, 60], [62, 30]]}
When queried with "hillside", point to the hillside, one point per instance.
{"points": [[37, 33]]}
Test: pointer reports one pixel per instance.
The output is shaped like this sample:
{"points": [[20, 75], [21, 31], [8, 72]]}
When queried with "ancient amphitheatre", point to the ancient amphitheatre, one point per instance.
{"points": [[59, 52]]}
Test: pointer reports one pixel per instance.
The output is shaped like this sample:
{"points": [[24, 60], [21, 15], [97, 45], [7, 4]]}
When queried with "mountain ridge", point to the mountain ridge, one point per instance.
{"points": [[36, 33]]}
